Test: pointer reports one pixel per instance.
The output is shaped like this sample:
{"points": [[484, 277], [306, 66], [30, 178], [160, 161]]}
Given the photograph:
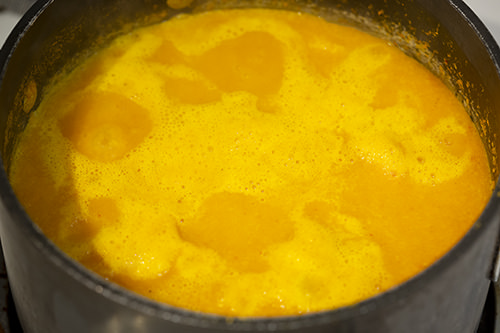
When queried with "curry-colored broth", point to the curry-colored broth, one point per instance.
{"points": [[252, 163]]}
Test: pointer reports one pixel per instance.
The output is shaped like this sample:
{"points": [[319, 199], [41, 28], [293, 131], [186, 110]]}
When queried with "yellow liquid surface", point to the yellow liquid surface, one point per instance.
{"points": [[252, 163]]}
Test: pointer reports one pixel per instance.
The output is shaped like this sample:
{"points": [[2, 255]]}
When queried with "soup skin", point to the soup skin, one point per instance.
{"points": [[252, 163]]}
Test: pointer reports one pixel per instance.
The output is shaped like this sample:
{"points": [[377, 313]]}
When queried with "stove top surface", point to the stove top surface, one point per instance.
{"points": [[10, 13]]}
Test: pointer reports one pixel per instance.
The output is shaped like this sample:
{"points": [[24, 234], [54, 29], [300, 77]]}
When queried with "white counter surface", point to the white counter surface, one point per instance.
{"points": [[489, 12]]}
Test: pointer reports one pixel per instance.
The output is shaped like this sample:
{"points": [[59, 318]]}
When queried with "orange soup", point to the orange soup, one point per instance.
{"points": [[252, 163]]}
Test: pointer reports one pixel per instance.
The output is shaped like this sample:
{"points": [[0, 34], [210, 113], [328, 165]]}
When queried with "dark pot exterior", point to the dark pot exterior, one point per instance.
{"points": [[54, 294]]}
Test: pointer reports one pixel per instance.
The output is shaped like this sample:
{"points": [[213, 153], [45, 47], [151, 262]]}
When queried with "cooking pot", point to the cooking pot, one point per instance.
{"points": [[53, 293]]}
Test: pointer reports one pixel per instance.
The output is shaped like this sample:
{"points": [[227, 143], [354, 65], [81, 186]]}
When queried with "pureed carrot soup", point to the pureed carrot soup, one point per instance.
{"points": [[252, 163]]}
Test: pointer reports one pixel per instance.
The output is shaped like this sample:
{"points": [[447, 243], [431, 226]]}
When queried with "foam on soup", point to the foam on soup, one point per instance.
{"points": [[252, 163]]}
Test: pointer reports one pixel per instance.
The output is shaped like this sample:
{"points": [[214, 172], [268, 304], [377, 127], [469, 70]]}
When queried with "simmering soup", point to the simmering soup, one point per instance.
{"points": [[252, 163]]}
